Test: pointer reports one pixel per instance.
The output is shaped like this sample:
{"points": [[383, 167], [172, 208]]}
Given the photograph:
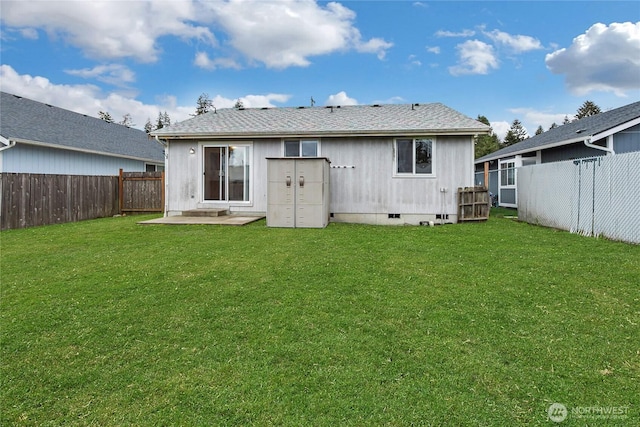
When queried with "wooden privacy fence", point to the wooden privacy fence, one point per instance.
{"points": [[141, 191], [29, 200]]}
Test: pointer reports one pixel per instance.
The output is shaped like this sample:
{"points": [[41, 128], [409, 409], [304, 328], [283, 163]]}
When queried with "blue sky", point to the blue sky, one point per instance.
{"points": [[534, 61]]}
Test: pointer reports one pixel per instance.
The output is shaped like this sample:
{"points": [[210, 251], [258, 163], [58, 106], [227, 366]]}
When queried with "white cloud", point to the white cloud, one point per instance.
{"points": [[202, 60], [517, 43], [114, 74], [433, 49], [109, 29], [474, 57], [533, 118], [287, 32], [258, 101], [604, 58], [392, 100], [500, 128], [414, 61], [278, 34], [29, 33], [375, 45], [463, 33], [340, 98], [89, 99]]}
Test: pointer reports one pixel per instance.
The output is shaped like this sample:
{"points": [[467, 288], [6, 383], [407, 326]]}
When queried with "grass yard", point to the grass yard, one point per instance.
{"points": [[108, 322]]}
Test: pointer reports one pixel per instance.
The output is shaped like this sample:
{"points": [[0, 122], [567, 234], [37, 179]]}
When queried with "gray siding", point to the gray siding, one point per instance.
{"points": [[185, 170], [24, 158], [627, 141], [368, 187], [493, 180], [569, 152]]}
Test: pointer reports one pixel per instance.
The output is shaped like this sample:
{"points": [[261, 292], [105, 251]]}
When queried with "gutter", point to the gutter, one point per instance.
{"points": [[608, 148], [159, 141], [326, 134], [8, 143]]}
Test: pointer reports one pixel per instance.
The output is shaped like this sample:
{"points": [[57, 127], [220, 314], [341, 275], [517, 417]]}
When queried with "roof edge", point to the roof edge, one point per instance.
{"points": [[529, 150], [262, 135], [586, 137]]}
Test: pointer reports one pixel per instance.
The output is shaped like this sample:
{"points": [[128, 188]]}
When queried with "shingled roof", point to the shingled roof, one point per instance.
{"points": [[27, 121], [572, 132], [396, 119]]}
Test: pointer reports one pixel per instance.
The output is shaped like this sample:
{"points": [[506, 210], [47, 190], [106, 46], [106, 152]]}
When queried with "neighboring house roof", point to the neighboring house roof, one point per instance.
{"points": [[396, 119], [596, 127], [30, 122]]}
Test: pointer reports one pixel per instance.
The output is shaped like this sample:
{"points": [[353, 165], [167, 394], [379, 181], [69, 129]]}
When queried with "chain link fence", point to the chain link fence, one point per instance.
{"points": [[597, 196]]}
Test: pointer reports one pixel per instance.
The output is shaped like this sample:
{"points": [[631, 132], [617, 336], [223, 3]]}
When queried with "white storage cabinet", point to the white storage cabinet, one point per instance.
{"points": [[298, 192]]}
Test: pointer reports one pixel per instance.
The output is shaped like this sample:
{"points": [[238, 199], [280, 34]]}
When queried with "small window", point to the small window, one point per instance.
{"points": [[301, 148], [415, 156]]}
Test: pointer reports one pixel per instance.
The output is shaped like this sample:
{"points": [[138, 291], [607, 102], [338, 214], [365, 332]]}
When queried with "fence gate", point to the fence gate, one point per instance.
{"points": [[141, 191]]}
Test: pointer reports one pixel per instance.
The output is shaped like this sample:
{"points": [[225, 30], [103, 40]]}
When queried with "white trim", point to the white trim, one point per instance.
{"points": [[517, 162], [8, 143], [583, 139], [201, 165], [616, 129], [409, 133], [413, 174], [300, 141]]}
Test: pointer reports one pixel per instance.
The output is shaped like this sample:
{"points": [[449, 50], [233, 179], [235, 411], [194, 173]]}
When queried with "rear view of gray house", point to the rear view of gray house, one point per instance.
{"points": [[389, 164]]}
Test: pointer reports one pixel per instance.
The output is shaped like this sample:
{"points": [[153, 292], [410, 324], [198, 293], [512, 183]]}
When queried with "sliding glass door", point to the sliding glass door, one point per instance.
{"points": [[226, 173]]}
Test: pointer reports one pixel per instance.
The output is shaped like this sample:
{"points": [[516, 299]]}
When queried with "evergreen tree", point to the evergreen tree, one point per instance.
{"points": [[203, 104], [105, 116], [587, 109], [515, 134], [163, 120], [148, 127], [486, 144], [127, 121], [539, 130], [566, 120], [239, 104], [159, 121], [553, 126]]}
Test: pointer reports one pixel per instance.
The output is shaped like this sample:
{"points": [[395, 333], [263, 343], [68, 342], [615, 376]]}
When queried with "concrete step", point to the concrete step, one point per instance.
{"points": [[205, 212]]}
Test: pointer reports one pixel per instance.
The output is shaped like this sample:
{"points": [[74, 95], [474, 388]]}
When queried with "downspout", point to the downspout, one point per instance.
{"points": [[608, 148], [166, 167]]}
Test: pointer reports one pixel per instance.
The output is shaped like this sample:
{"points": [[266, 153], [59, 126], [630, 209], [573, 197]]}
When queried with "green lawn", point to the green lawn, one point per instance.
{"points": [[108, 322]]}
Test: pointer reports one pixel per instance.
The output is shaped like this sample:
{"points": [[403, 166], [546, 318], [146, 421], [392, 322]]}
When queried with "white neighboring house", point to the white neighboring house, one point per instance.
{"points": [[608, 133], [390, 164], [43, 139]]}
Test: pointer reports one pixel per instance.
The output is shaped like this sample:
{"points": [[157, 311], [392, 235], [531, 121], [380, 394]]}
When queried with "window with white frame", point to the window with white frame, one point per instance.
{"points": [[507, 174], [415, 156], [301, 148]]}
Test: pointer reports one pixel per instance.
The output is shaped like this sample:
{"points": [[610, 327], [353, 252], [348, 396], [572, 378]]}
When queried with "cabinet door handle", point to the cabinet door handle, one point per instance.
{"points": [[288, 181], [301, 181]]}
